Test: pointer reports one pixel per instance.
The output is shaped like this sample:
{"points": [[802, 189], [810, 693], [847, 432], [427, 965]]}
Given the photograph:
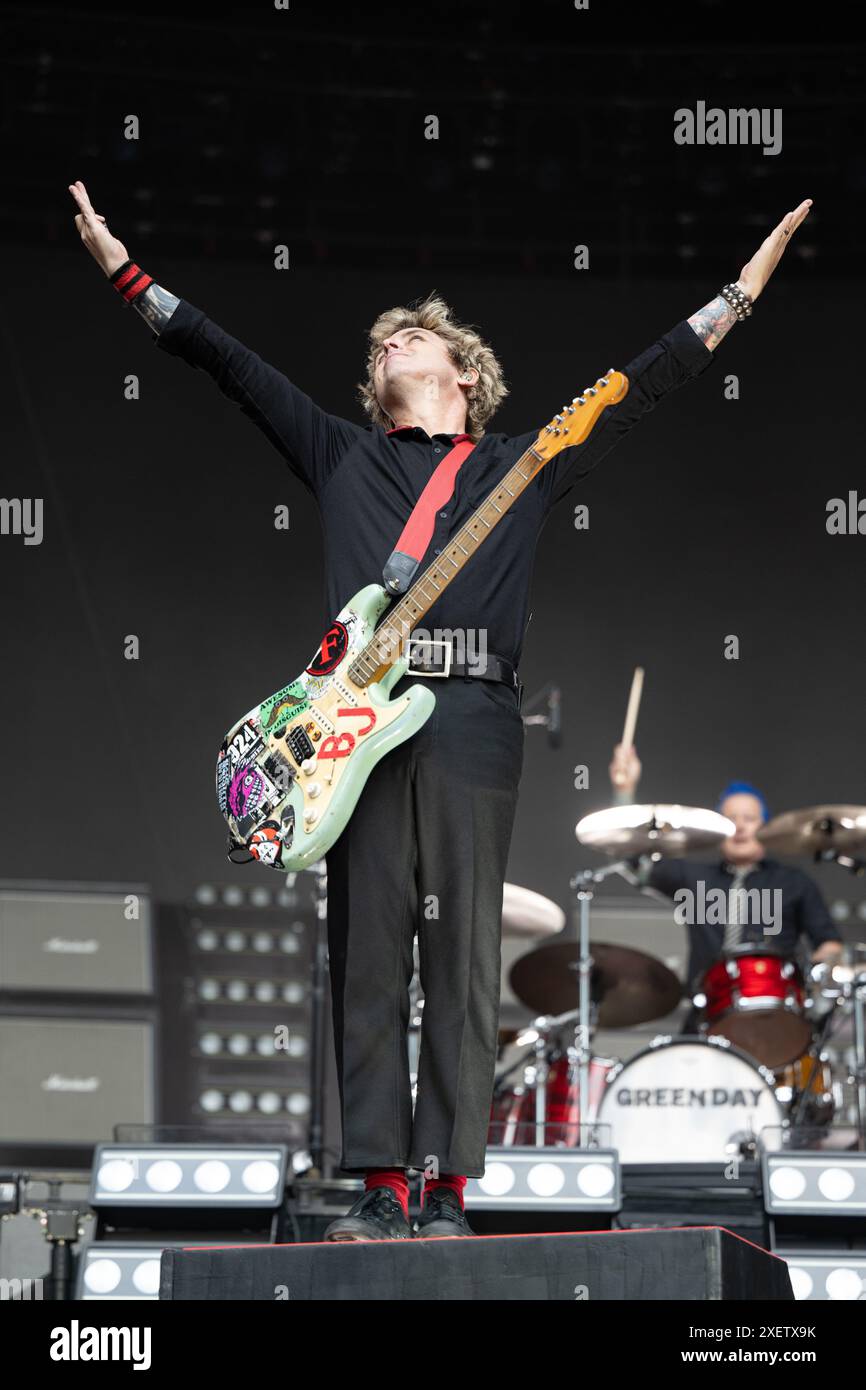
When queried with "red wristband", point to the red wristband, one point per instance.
{"points": [[130, 281]]}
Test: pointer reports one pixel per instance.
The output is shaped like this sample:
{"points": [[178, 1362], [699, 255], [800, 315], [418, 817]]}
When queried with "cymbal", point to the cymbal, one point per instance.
{"points": [[525, 913], [655, 829], [816, 828], [628, 985]]}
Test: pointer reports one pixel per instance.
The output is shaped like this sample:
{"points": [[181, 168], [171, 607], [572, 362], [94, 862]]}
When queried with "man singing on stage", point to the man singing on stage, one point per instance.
{"points": [[426, 848]]}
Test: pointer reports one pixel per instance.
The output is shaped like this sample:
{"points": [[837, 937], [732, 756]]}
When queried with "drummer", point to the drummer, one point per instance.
{"points": [[744, 865]]}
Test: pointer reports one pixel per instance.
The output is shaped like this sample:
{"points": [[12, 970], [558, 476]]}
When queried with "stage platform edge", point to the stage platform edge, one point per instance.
{"points": [[683, 1264]]}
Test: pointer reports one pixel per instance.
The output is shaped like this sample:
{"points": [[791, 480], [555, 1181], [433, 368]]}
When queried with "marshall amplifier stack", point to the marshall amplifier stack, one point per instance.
{"points": [[77, 1018], [118, 1018]]}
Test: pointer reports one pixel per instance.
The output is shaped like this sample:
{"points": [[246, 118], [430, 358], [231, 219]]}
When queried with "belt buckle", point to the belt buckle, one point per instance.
{"points": [[431, 642]]}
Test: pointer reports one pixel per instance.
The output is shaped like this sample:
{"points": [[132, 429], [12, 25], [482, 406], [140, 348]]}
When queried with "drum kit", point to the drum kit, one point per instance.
{"points": [[779, 1055]]}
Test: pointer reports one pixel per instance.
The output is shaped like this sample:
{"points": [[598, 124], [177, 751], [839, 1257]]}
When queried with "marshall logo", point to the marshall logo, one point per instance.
{"points": [[86, 947], [55, 1082], [669, 1095]]}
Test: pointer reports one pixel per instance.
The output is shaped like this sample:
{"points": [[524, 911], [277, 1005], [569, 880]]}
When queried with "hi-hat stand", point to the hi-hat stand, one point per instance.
{"points": [[582, 883]]}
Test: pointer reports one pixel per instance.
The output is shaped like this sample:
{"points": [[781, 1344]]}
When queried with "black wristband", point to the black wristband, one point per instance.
{"points": [[740, 302]]}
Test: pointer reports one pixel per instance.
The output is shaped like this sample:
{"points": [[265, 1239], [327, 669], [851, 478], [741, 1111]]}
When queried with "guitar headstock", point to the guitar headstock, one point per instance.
{"points": [[575, 421]]}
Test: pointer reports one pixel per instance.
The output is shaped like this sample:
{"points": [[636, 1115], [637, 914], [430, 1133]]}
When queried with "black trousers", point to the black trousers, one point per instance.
{"points": [[426, 852]]}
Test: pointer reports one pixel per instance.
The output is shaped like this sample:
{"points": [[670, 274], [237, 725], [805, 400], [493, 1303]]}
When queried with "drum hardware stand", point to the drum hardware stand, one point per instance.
{"points": [[816, 1049], [504, 1075], [845, 861], [858, 994], [581, 883], [853, 992], [542, 1070], [541, 1027], [544, 1026]]}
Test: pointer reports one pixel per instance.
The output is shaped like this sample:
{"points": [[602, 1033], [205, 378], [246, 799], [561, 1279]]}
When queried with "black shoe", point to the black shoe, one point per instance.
{"points": [[377, 1215], [442, 1215]]}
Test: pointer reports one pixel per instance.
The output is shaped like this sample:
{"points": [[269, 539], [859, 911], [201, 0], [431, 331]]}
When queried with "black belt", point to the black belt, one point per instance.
{"points": [[423, 662]]}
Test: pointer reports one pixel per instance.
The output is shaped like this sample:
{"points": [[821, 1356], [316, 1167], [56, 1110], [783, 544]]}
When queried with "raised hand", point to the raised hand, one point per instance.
{"points": [[625, 768], [106, 250], [755, 274]]}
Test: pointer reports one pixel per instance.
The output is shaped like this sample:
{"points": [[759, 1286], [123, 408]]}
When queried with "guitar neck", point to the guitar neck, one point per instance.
{"points": [[567, 429]]}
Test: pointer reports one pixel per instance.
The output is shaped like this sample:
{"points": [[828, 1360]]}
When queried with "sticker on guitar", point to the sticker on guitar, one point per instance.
{"points": [[282, 708], [341, 745], [332, 649], [247, 789], [266, 845], [245, 743]]}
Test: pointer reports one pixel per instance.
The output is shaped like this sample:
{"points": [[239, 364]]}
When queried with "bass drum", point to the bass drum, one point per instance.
{"points": [[687, 1100]]}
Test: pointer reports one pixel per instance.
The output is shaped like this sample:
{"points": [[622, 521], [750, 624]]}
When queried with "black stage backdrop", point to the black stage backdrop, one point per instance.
{"points": [[709, 519]]}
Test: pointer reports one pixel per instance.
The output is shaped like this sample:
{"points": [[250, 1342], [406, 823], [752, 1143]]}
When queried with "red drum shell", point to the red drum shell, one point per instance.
{"points": [[756, 1000], [512, 1115]]}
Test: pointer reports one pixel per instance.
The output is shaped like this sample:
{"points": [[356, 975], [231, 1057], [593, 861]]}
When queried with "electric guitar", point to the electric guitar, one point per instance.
{"points": [[290, 773]]}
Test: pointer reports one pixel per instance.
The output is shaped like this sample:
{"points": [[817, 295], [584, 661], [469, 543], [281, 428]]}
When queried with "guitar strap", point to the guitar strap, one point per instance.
{"points": [[415, 536]]}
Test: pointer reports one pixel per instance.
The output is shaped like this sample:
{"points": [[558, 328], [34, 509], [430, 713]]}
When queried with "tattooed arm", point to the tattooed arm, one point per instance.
{"points": [[156, 306], [713, 321]]}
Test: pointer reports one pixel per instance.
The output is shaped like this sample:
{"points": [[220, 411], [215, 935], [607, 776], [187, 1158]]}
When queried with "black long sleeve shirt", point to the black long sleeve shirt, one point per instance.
{"points": [[366, 479], [804, 912]]}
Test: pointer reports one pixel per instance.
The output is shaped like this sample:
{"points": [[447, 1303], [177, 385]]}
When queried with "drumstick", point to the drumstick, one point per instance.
{"points": [[633, 707]]}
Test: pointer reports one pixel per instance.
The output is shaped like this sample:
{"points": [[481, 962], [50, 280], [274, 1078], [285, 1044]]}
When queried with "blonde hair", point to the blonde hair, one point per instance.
{"points": [[465, 347]]}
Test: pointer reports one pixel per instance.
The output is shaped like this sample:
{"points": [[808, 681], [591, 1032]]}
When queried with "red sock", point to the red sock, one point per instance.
{"points": [[395, 1178], [452, 1181]]}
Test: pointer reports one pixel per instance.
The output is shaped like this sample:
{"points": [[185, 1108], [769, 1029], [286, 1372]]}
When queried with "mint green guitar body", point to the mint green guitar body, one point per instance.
{"points": [[290, 773]]}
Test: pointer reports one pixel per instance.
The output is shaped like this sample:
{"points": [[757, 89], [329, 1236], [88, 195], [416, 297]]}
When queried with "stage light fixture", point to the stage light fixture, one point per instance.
{"points": [[181, 1175], [817, 1277], [548, 1179], [811, 1183]]}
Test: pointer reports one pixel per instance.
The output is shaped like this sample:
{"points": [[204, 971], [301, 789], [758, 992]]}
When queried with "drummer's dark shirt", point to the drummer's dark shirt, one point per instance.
{"points": [[803, 910]]}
